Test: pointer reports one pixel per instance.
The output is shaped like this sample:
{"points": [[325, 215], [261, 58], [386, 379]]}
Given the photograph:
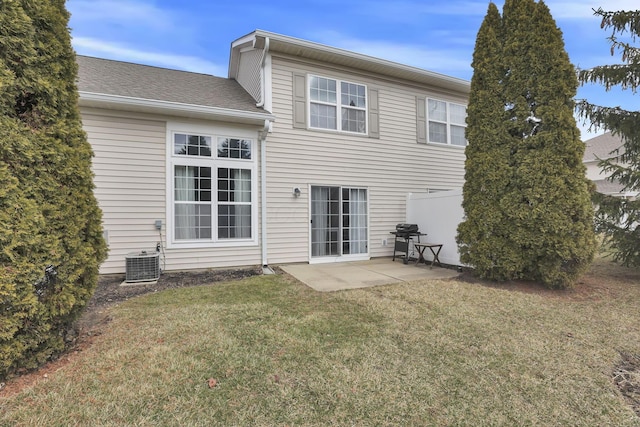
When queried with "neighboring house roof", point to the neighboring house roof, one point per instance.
{"points": [[602, 147], [102, 82], [327, 54]]}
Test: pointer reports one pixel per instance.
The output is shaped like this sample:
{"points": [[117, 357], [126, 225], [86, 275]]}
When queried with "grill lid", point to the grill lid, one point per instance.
{"points": [[407, 228]]}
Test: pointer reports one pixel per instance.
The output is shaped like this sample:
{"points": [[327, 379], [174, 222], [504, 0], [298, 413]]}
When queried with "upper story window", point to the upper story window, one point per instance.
{"points": [[337, 105], [446, 122]]}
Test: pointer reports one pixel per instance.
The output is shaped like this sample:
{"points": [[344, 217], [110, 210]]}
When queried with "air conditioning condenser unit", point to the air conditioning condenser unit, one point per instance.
{"points": [[142, 267]]}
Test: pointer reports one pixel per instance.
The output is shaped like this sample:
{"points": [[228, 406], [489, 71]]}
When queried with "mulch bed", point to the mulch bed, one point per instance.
{"points": [[110, 291]]}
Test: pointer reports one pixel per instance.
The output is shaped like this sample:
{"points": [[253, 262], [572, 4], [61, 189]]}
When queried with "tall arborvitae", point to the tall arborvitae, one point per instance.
{"points": [[483, 238], [618, 219], [48, 213], [541, 199]]}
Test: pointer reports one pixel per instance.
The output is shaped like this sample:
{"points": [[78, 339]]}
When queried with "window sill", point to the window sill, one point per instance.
{"points": [[338, 132], [439, 144], [213, 245]]}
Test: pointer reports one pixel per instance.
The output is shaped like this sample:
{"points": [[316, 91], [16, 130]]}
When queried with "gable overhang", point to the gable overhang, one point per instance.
{"points": [[174, 109], [326, 54]]}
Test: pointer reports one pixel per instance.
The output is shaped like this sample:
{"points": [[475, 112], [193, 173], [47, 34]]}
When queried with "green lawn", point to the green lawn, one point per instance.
{"points": [[425, 353]]}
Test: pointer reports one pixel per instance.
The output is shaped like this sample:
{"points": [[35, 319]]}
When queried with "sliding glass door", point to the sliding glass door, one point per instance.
{"points": [[339, 221]]}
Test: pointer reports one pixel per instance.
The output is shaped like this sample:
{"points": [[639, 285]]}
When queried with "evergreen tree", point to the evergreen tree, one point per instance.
{"points": [[48, 213], [527, 207], [483, 237], [616, 218]]}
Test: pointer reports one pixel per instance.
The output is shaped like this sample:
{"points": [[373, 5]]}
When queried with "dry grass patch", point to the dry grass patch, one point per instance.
{"points": [[425, 353]]}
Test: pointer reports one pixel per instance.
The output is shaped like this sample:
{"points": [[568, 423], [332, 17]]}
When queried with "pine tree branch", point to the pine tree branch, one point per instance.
{"points": [[630, 53], [614, 119], [625, 76], [621, 173], [620, 21]]}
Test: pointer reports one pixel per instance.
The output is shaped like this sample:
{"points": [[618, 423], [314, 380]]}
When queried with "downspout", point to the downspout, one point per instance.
{"points": [[263, 158], [263, 195]]}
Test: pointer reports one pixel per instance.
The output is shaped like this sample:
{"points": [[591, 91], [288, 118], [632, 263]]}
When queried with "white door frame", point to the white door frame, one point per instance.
{"points": [[339, 257]]}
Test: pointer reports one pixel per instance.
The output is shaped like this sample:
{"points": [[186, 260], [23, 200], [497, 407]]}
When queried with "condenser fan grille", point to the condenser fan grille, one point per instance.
{"points": [[142, 267]]}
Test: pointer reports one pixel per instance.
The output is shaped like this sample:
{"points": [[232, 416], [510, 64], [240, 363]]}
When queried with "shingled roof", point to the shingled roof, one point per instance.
{"points": [[108, 77], [601, 147]]}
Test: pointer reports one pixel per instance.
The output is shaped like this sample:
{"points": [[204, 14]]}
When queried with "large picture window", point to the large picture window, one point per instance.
{"points": [[212, 189], [337, 105], [446, 122]]}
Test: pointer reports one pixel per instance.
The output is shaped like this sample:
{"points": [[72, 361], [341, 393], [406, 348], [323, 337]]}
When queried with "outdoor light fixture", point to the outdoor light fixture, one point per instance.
{"points": [[296, 192]]}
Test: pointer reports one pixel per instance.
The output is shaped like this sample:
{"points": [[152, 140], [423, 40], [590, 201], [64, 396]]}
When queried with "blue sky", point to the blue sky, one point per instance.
{"points": [[196, 35]]}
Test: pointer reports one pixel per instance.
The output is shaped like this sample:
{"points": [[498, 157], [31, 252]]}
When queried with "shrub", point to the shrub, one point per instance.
{"points": [[48, 213]]}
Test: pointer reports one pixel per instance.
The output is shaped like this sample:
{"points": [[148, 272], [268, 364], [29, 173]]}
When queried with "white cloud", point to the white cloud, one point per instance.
{"points": [[107, 12], [412, 10], [444, 61], [469, 8], [448, 61], [561, 9], [100, 48], [139, 31]]}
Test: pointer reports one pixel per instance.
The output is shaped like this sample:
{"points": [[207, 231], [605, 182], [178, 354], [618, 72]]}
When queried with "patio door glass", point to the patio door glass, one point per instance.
{"points": [[339, 221]]}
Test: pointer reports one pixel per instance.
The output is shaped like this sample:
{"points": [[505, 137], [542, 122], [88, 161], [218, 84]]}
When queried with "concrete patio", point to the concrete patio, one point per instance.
{"points": [[363, 274]]}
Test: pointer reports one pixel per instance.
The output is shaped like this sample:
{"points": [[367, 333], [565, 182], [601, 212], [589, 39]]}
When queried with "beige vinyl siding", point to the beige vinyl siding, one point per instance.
{"points": [[249, 73], [594, 172], [131, 188], [389, 167], [129, 179]]}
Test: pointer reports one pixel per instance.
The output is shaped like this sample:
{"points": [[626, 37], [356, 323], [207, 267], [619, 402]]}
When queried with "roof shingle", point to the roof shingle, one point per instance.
{"points": [[601, 147], [108, 77]]}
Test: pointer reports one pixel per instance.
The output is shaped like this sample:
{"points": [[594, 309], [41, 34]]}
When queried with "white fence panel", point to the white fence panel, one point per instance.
{"points": [[438, 215]]}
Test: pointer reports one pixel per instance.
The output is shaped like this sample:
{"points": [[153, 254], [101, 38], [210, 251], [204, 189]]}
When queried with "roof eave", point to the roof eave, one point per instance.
{"points": [[125, 103], [316, 51]]}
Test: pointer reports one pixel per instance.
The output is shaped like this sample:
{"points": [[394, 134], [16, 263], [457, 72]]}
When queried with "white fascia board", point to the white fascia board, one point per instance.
{"points": [[90, 99], [234, 57], [244, 40]]}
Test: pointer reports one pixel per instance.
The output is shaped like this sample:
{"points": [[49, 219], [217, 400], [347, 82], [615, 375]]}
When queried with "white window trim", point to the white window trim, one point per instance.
{"points": [[338, 106], [447, 123], [214, 162]]}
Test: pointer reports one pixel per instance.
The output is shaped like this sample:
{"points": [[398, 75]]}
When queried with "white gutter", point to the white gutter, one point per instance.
{"points": [[141, 104], [263, 190], [263, 95]]}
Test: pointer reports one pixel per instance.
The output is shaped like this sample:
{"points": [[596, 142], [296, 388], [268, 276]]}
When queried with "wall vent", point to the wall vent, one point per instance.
{"points": [[142, 267]]}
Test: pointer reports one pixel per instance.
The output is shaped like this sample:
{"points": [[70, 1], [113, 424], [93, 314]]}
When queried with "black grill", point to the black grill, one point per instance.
{"points": [[404, 230], [404, 234]]}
